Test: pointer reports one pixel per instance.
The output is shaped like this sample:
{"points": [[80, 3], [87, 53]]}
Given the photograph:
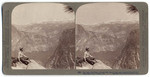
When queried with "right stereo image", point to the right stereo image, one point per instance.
{"points": [[107, 36]]}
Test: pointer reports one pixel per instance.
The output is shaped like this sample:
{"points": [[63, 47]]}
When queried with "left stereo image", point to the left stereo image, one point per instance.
{"points": [[43, 36]]}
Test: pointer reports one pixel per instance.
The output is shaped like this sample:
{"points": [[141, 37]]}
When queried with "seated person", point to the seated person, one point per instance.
{"points": [[22, 58], [88, 58]]}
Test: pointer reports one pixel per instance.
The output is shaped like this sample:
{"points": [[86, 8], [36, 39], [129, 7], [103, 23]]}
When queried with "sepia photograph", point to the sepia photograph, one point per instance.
{"points": [[42, 36], [96, 36], [107, 36], [74, 38]]}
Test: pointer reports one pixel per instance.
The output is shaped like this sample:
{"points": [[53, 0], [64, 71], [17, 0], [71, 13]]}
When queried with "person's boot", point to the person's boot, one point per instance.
{"points": [[29, 61], [96, 61]]}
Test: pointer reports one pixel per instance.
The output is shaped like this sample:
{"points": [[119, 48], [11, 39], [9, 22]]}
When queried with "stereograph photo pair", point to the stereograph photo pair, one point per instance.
{"points": [[75, 38]]}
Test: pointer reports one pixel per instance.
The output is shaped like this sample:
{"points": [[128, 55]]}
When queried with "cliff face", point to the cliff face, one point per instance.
{"points": [[129, 58], [64, 55]]}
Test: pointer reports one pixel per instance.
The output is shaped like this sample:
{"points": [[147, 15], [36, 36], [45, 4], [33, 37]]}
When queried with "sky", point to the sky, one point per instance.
{"points": [[95, 13], [31, 13]]}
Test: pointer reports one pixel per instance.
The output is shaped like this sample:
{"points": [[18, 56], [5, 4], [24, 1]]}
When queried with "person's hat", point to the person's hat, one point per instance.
{"points": [[87, 49], [21, 49]]}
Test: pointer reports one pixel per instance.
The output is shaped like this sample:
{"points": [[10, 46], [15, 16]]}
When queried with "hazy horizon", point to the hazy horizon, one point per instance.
{"points": [[33, 13], [94, 13]]}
